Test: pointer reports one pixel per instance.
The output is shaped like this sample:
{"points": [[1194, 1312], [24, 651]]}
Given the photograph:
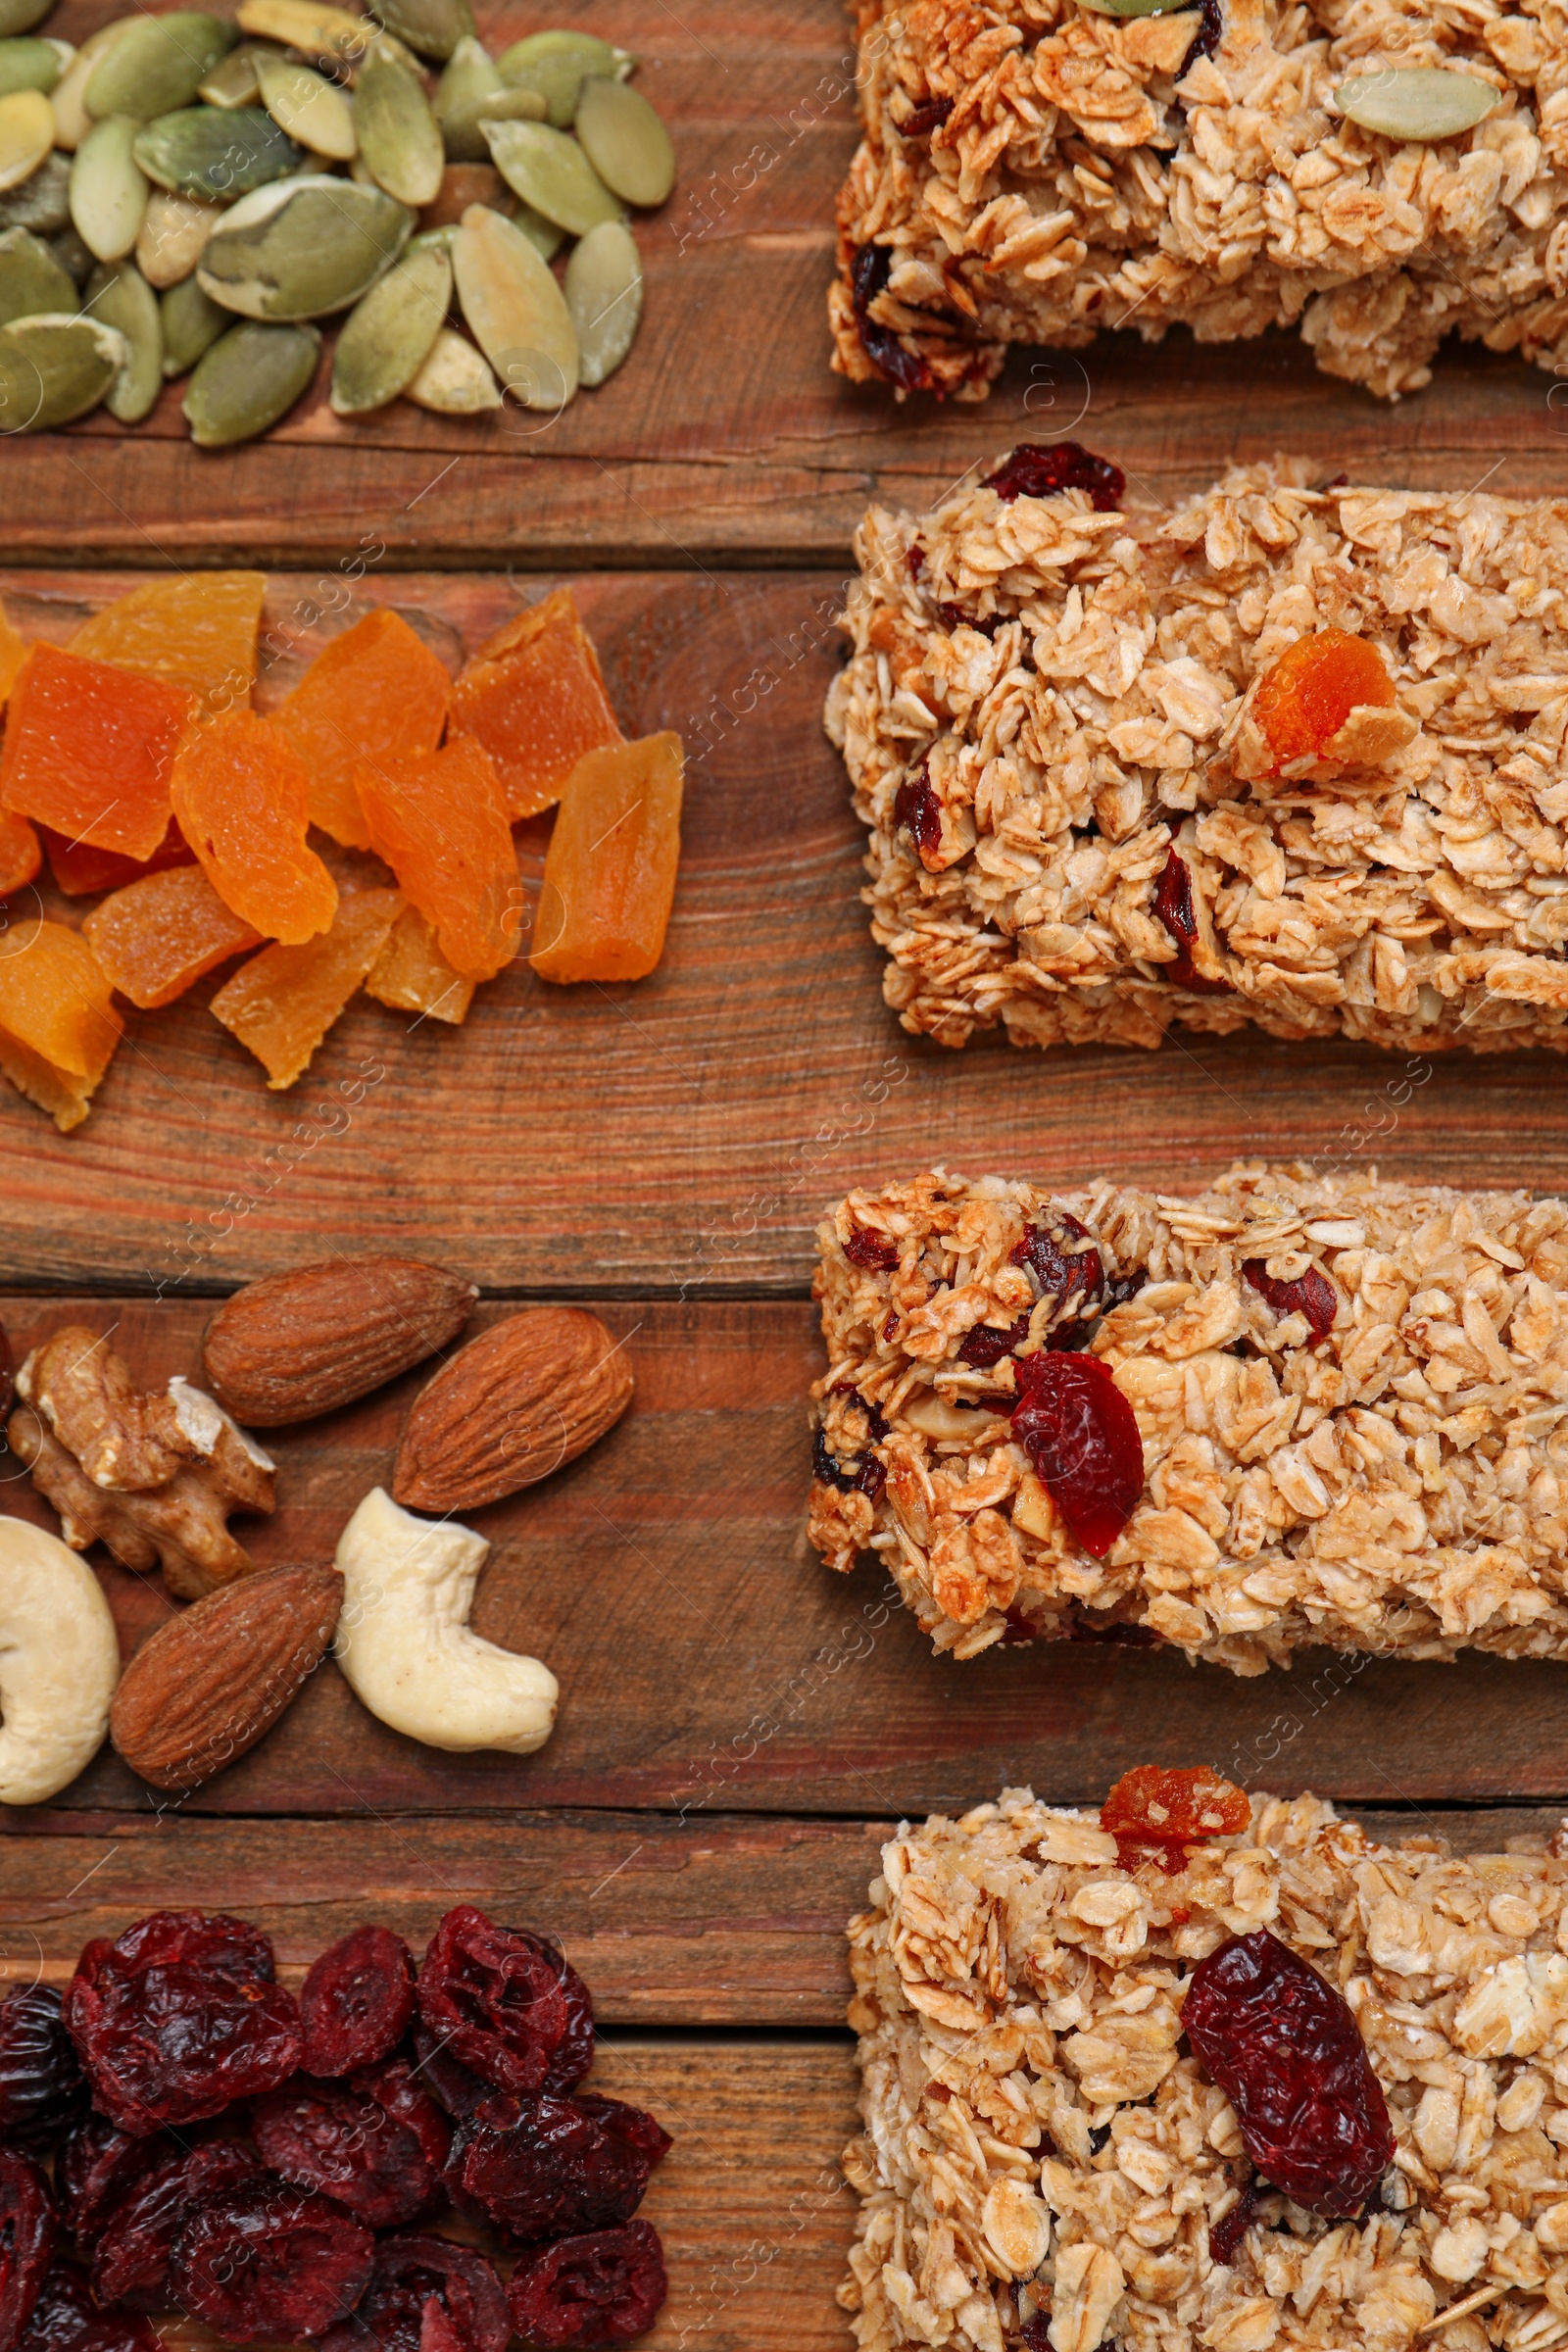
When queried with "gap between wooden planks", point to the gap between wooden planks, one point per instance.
{"points": [[681, 1136], [710, 1664]]}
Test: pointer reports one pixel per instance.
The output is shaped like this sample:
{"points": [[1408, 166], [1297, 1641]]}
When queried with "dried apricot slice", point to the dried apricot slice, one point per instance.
{"points": [[157, 936], [58, 1023], [440, 822], [13, 653], [284, 1001], [197, 630], [20, 854], [242, 798], [81, 871], [412, 974], [1305, 697], [88, 749], [376, 693], [534, 696], [609, 872]]}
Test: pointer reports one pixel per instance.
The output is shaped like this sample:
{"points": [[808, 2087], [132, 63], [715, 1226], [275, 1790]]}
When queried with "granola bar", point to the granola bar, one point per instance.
{"points": [[1044, 2157], [1032, 171], [1051, 711], [1351, 1399]]}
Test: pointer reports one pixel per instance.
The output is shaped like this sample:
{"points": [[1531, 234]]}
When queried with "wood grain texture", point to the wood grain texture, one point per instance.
{"points": [[709, 1663], [683, 1134]]}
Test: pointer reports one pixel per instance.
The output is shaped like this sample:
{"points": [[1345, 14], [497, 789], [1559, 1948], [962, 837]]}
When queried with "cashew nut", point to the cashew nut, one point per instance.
{"points": [[404, 1644], [59, 1664]]}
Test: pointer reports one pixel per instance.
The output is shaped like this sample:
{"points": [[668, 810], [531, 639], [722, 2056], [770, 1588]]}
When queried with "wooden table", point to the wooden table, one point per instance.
{"points": [[738, 1727]]}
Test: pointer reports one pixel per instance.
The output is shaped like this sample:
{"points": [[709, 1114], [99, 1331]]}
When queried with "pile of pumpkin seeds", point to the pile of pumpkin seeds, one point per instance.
{"points": [[183, 196]]}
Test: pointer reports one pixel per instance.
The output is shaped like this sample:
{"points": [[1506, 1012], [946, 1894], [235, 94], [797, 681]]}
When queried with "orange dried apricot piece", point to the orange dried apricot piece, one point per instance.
{"points": [[197, 632], [88, 749], [58, 1023], [158, 937], [411, 975], [242, 796], [81, 871], [534, 696], [1156, 1813], [13, 653], [1306, 697], [284, 1001], [376, 693], [609, 872], [21, 852], [440, 822]]}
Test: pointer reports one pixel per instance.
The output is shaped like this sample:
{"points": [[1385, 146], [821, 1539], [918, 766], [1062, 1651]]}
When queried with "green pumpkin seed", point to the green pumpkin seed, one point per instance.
{"points": [[30, 278], [158, 67], [328, 34], [33, 65], [516, 309], [120, 297], [250, 377], [387, 339], [174, 230], [73, 256], [398, 136], [470, 74], [232, 81], [21, 15], [605, 297], [72, 120], [625, 141], [454, 380], [432, 240], [433, 28], [203, 152], [108, 191], [556, 65], [41, 201], [191, 322], [303, 248], [309, 107], [54, 368], [461, 132], [26, 134], [1417, 102], [548, 169]]}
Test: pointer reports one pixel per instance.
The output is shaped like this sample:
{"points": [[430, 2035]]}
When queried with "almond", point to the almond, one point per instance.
{"points": [[512, 1406], [216, 1678], [296, 1345]]}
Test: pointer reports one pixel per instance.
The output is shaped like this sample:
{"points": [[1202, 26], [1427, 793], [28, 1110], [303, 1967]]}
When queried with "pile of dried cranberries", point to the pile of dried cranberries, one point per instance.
{"points": [[272, 2166]]}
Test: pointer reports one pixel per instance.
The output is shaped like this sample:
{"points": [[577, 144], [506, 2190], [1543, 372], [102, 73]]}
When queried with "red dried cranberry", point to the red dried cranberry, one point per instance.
{"points": [[459, 2091], [1173, 906], [914, 558], [335, 2137], [984, 1346], [866, 1477], [181, 2017], [1081, 1435], [44, 2092], [878, 1251], [95, 2171], [1205, 41], [603, 2288], [130, 2263], [1035, 2337], [1155, 1815], [396, 2086], [265, 2259], [65, 2318], [917, 810], [356, 2002], [26, 2240], [929, 116], [1068, 1268], [1312, 1294], [1286, 2051], [1032, 471], [1229, 2231], [545, 2167], [425, 2295], [869, 273], [509, 2004]]}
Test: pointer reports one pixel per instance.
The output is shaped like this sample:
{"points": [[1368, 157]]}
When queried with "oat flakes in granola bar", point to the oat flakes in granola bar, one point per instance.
{"points": [[1031, 170], [1044, 2157], [1350, 1401], [1080, 831]]}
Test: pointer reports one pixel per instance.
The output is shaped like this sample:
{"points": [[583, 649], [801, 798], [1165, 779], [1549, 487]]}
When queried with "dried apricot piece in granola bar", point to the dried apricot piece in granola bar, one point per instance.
{"points": [[242, 798], [534, 696], [376, 693], [1306, 697], [81, 871], [609, 872], [284, 1001], [89, 747], [58, 1023], [440, 822], [20, 854], [412, 974], [159, 936], [197, 630]]}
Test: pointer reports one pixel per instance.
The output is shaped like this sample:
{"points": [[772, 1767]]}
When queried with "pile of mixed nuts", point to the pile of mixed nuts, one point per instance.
{"points": [[186, 196]]}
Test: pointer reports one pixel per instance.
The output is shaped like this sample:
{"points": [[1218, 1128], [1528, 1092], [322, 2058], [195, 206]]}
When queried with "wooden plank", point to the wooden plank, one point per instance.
{"points": [[708, 1664], [681, 1135]]}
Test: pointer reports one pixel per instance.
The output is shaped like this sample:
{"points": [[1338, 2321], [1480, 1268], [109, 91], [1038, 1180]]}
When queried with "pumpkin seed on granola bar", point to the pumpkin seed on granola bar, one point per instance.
{"points": [[550, 172], [30, 277], [158, 67], [625, 141], [54, 368], [310, 109], [456, 379], [192, 322], [248, 380], [303, 248], [1417, 102], [555, 63], [119, 296], [516, 310], [400, 138], [107, 189], [386, 338], [605, 297]]}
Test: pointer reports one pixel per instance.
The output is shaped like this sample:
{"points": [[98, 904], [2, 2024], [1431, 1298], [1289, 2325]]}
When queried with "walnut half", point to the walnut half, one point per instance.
{"points": [[152, 1476]]}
